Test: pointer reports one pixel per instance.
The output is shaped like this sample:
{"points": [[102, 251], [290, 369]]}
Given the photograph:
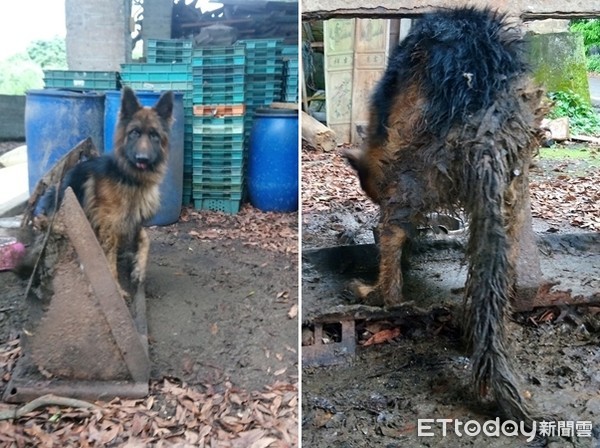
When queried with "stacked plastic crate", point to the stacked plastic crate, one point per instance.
{"points": [[175, 51], [171, 51], [80, 80], [157, 77], [289, 91], [264, 71], [218, 128]]}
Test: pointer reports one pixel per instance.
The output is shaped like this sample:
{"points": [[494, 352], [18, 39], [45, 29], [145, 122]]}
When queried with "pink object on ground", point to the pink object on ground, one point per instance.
{"points": [[11, 252]]}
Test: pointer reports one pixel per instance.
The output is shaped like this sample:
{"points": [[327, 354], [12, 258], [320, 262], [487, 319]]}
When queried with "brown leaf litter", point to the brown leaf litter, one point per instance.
{"points": [[328, 183], [575, 199], [174, 414], [272, 231]]}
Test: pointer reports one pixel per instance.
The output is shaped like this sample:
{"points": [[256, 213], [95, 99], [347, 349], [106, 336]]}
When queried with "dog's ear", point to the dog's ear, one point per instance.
{"points": [[354, 156], [164, 106], [129, 104]]}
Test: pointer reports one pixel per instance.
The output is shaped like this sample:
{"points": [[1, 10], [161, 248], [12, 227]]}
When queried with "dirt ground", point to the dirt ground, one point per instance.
{"points": [[222, 301], [218, 295], [212, 307], [421, 370], [219, 310]]}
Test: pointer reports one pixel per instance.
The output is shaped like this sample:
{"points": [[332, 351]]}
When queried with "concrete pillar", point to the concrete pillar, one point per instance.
{"points": [[558, 61], [98, 34], [157, 21]]}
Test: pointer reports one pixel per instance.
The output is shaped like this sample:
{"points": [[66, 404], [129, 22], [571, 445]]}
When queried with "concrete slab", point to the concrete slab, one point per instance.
{"points": [[526, 9], [14, 156], [14, 187]]}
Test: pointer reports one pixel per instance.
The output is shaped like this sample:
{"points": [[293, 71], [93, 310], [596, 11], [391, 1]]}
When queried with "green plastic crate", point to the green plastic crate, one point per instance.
{"points": [[223, 191], [211, 56], [289, 50], [159, 86], [170, 44], [215, 139], [218, 125], [218, 150], [81, 80], [218, 70], [170, 57], [230, 206], [156, 77], [169, 51], [264, 69], [260, 44], [160, 68], [223, 176], [218, 94], [218, 160], [203, 80]]}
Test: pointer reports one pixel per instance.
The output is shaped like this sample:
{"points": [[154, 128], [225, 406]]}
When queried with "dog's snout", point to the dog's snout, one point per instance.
{"points": [[142, 158]]}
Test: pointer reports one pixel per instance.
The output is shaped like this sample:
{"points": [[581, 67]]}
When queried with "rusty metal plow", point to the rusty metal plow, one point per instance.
{"points": [[81, 340]]}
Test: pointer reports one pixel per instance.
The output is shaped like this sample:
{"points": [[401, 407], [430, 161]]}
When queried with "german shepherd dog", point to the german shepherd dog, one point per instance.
{"points": [[453, 124], [118, 192]]}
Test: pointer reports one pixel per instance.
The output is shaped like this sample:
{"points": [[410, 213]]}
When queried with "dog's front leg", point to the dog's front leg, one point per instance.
{"points": [[388, 290], [110, 245], [392, 238], [141, 259]]}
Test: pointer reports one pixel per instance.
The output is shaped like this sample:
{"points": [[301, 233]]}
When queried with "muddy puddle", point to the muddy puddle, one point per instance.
{"points": [[377, 396]]}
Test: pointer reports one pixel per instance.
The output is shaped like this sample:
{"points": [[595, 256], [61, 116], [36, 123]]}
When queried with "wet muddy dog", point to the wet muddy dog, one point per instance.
{"points": [[453, 125]]}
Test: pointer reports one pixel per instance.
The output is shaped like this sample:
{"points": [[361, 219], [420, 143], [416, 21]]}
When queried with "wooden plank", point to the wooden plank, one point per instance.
{"points": [[316, 134], [586, 138], [280, 105]]}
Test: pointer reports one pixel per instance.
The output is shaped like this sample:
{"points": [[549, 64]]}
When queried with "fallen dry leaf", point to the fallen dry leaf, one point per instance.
{"points": [[382, 336], [293, 312]]}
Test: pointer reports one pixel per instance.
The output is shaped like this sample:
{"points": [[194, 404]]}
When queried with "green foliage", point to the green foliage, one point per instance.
{"points": [[49, 54], [593, 63], [24, 71], [18, 74], [589, 28], [582, 117]]}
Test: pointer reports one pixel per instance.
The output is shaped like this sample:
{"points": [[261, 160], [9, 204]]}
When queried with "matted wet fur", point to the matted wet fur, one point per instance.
{"points": [[119, 192], [453, 123]]}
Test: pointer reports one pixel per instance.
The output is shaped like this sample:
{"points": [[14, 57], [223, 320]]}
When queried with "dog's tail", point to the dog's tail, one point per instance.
{"points": [[488, 282]]}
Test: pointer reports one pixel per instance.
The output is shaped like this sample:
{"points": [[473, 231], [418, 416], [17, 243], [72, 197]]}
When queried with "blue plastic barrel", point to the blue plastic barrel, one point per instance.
{"points": [[55, 121], [171, 189], [273, 160]]}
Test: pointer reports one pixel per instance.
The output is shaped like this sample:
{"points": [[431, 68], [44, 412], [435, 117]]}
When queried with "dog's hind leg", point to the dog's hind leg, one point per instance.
{"points": [[138, 274]]}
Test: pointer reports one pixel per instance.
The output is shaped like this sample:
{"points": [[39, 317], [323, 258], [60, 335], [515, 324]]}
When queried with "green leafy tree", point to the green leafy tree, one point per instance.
{"points": [[49, 54], [18, 74], [589, 29]]}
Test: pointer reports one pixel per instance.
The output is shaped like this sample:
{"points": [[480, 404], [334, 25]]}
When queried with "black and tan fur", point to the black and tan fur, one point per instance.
{"points": [[120, 191], [453, 124]]}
